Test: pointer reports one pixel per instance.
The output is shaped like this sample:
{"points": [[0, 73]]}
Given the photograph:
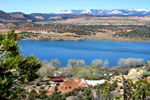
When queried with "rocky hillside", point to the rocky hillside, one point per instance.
{"points": [[22, 17], [71, 14], [5, 16]]}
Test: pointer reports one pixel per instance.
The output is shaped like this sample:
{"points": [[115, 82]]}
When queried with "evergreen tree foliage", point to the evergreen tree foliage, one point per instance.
{"points": [[139, 90], [14, 68]]}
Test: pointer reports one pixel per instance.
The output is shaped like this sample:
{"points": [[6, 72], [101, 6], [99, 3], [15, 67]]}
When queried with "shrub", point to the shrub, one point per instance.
{"points": [[72, 62], [55, 63], [69, 87], [87, 72], [130, 62], [138, 90], [114, 85], [67, 71], [42, 87], [38, 84], [76, 63], [105, 63], [24, 32], [126, 72], [116, 73], [106, 89], [33, 95], [97, 62], [47, 69], [34, 86], [47, 83], [80, 63]]}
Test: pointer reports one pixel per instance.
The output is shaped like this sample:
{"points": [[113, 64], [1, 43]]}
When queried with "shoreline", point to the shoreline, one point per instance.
{"points": [[70, 37], [114, 40]]}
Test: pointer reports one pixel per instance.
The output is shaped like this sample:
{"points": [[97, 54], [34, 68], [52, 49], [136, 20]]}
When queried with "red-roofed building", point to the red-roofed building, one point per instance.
{"points": [[69, 86], [57, 80]]}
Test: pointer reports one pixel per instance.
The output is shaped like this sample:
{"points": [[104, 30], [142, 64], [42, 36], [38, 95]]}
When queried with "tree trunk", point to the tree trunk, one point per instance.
{"points": [[124, 88]]}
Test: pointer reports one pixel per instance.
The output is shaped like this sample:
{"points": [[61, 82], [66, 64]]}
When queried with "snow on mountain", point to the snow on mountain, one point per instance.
{"points": [[86, 11], [64, 12], [115, 12], [106, 12], [139, 10]]}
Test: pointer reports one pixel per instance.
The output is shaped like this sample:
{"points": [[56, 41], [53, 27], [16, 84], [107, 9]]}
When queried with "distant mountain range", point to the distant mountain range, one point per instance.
{"points": [[113, 12], [66, 14]]}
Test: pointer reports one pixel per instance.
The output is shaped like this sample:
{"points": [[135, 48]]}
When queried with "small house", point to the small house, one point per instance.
{"points": [[57, 80]]}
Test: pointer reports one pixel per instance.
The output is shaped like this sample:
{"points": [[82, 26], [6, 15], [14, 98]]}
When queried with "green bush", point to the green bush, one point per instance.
{"points": [[41, 87], [116, 73], [137, 91], [125, 73], [25, 32], [37, 84]]}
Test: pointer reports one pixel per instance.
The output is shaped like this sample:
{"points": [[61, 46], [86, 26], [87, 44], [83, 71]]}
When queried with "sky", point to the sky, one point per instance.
{"points": [[49, 6]]}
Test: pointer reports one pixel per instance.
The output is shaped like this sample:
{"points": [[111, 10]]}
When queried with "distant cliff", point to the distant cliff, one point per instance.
{"points": [[69, 14]]}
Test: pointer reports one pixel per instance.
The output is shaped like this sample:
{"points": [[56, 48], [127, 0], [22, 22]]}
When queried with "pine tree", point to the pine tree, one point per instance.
{"points": [[139, 90], [15, 69]]}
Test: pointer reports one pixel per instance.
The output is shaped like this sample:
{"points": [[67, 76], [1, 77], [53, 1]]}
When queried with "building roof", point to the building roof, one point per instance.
{"points": [[71, 85], [57, 80]]}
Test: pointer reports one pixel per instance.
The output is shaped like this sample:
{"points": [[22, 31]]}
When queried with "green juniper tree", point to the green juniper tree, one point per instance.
{"points": [[15, 70], [139, 90]]}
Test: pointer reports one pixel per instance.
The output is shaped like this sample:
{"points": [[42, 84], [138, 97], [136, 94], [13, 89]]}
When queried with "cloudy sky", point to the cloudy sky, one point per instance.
{"points": [[49, 6]]}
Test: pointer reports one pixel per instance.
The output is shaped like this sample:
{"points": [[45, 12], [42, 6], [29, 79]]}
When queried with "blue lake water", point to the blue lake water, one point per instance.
{"points": [[86, 50]]}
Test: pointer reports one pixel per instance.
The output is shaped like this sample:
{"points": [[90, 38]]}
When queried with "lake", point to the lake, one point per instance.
{"points": [[85, 50]]}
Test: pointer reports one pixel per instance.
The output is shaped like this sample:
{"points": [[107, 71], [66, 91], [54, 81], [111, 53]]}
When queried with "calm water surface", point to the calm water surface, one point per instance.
{"points": [[86, 50]]}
